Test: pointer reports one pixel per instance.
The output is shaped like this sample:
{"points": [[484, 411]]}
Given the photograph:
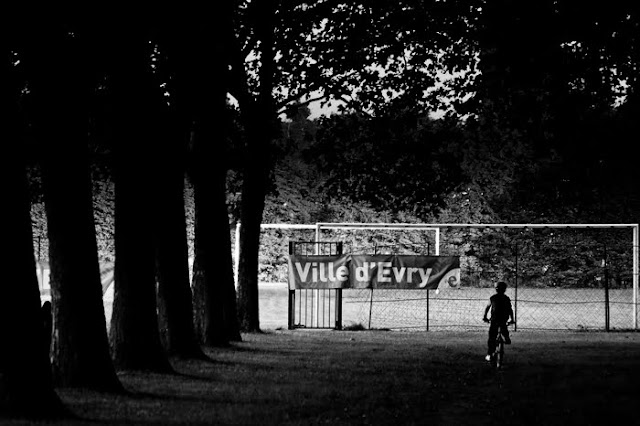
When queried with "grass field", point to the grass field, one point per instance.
{"points": [[384, 377]]}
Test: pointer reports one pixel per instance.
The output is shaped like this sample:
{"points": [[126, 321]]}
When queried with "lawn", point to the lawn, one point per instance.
{"points": [[384, 377]]}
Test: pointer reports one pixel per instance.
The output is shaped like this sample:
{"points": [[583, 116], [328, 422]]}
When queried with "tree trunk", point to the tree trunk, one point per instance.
{"points": [[258, 117], [252, 207], [26, 388], [80, 348], [254, 189], [229, 307], [208, 277], [199, 57], [135, 340], [172, 258], [213, 282], [134, 337]]}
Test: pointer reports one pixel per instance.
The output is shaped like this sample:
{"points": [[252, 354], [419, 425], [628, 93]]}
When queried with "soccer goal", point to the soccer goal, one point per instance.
{"points": [[561, 276]]}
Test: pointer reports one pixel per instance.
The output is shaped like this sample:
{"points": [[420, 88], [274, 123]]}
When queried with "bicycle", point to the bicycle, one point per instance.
{"points": [[497, 357]]}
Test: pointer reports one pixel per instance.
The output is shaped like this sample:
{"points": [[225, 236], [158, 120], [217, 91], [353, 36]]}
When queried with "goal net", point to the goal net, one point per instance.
{"points": [[573, 277]]}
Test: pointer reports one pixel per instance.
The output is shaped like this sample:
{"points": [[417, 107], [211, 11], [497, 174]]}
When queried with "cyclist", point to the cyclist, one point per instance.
{"points": [[501, 313]]}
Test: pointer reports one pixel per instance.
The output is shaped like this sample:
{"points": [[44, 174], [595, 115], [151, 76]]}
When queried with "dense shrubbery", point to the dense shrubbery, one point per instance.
{"points": [[311, 184]]}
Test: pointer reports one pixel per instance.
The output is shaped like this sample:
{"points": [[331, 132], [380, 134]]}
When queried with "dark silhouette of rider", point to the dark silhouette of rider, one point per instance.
{"points": [[501, 313]]}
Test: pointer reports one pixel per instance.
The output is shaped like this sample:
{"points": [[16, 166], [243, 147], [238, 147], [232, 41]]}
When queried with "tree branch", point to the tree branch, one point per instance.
{"points": [[287, 104]]}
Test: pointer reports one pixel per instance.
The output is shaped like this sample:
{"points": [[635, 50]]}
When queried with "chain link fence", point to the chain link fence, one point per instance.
{"points": [[559, 279]]}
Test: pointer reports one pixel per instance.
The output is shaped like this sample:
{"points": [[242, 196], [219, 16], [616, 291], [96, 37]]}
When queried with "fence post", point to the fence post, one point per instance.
{"points": [[292, 295], [339, 295], [427, 309], [607, 312], [370, 308], [515, 289]]}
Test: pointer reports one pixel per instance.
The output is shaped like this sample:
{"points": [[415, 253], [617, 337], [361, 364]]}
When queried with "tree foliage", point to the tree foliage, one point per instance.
{"points": [[556, 94], [365, 55], [400, 162]]}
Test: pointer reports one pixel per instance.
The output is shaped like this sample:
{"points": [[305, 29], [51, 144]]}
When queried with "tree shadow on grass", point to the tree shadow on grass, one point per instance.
{"points": [[136, 378]]}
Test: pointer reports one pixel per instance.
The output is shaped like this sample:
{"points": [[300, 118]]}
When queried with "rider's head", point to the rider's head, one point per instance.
{"points": [[501, 287]]}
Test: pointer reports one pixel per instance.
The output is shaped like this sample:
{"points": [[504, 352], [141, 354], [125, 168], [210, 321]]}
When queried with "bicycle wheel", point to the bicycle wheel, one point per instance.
{"points": [[500, 354]]}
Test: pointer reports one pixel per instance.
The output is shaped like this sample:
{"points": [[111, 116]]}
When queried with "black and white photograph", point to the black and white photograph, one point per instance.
{"points": [[287, 212]]}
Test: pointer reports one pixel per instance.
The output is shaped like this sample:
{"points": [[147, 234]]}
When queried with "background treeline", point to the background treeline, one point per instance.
{"points": [[549, 136], [416, 169], [350, 168]]}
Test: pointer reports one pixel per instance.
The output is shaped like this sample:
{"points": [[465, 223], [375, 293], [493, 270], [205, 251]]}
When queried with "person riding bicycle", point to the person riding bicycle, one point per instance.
{"points": [[501, 314]]}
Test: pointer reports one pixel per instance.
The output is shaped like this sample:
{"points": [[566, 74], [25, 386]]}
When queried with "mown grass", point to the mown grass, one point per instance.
{"points": [[383, 377]]}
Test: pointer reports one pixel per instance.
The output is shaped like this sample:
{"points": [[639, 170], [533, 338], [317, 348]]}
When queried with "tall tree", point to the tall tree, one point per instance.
{"points": [[175, 307], [215, 316], [258, 118], [359, 53], [26, 388], [61, 81], [200, 63], [134, 335]]}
